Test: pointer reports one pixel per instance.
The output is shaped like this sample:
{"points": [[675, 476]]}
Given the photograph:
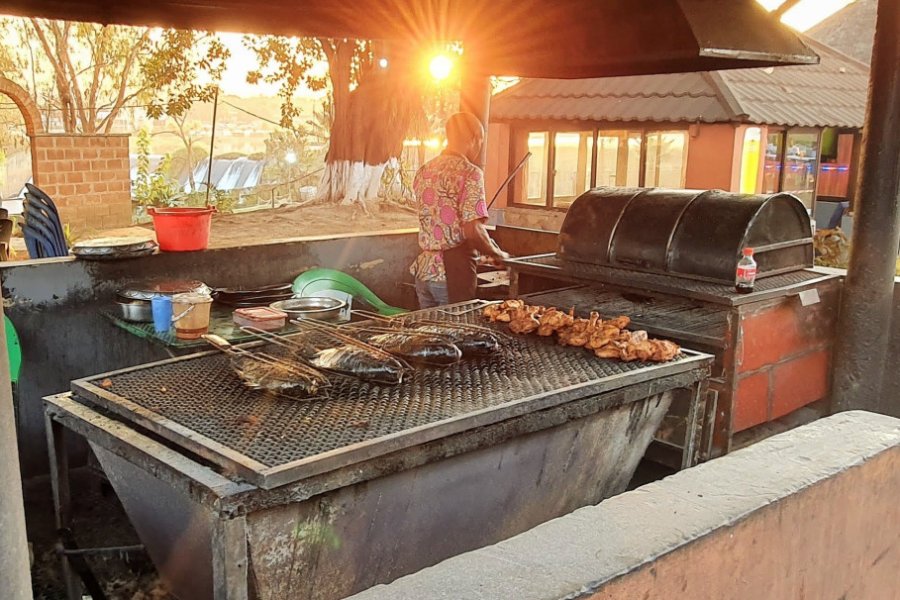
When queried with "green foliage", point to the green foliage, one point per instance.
{"points": [[86, 74], [153, 188], [174, 67], [288, 63], [283, 143]]}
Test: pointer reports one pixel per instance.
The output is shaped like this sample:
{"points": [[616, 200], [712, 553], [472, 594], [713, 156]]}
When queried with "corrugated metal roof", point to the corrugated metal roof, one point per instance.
{"points": [[832, 93]]}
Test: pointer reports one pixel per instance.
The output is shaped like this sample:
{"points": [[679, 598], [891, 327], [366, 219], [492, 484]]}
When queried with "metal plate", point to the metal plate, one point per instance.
{"points": [[550, 266], [198, 403]]}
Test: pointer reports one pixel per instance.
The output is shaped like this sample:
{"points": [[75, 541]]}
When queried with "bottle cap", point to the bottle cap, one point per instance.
{"points": [[747, 252]]}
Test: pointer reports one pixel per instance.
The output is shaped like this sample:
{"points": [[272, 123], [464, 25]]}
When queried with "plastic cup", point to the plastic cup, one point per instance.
{"points": [[191, 314], [162, 313]]}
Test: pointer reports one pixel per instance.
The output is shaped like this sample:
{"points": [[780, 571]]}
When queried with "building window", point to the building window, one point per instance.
{"points": [[572, 166], [791, 165], [801, 153], [536, 169], [575, 166], [618, 158], [666, 159], [774, 158]]}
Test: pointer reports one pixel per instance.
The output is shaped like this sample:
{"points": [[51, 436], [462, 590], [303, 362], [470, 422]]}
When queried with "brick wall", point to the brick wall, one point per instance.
{"points": [[783, 357], [88, 177]]}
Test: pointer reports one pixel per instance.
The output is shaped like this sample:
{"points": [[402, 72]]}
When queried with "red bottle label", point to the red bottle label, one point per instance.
{"points": [[746, 273]]}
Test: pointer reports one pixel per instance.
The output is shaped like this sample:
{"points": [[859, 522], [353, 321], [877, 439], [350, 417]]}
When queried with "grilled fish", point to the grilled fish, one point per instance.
{"points": [[357, 362], [471, 341], [419, 348], [258, 373]]}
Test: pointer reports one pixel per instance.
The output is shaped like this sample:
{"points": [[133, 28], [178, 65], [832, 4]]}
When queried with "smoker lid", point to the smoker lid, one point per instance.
{"points": [[686, 233]]}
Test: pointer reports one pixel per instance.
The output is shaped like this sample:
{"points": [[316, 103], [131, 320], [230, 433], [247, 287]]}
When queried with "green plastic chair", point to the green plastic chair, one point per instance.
{"points": [[14, 350], [317, 280]]}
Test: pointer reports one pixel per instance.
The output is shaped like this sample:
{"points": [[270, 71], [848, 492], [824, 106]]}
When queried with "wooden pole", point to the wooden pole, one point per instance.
{"points": [[15, 573], [212, 144], [864, 324]]}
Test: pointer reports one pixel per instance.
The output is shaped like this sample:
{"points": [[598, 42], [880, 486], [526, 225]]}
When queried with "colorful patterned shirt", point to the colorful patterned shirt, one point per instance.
{"points": [[449, 192]]}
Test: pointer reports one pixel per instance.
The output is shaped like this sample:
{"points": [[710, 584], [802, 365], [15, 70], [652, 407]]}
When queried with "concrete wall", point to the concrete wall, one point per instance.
{"points": [[710, 158], [55, 307], [811, 513], [88, 177], [496, 166]]}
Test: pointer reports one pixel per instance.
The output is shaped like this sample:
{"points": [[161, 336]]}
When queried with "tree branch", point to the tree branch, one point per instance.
{"points": [[62, 88], [62, 48], [123, 81]]}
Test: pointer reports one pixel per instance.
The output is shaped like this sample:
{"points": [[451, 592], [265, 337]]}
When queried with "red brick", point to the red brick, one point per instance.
{"points": [[66, 190], [767, 337], [72, 154], [799, 382], [751, 402], [82, 189], [74, 177], [62, 141], [107, 176], [54, 154]]}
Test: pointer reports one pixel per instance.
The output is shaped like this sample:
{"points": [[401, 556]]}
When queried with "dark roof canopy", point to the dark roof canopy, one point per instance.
{"points": [[830, 94], [529, 38]]}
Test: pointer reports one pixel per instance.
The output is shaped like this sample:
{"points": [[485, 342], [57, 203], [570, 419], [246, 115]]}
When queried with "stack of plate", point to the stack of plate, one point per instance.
{"points": [[114, 248], [247, 298]]}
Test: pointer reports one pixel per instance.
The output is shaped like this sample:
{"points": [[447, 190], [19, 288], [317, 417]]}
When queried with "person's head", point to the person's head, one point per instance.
{"points": [[465, 135]]}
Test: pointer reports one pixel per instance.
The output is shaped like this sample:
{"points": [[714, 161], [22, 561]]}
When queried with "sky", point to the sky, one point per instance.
{"points": [[803, 16]]}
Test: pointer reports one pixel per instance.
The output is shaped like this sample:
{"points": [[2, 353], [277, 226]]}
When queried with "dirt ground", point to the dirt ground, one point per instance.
{"points": [[98, 520], [288, 222]]}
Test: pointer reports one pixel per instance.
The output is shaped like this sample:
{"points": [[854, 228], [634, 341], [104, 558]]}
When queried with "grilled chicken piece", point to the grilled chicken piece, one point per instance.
{"points": [[602, 336], [554, 320], [606, 338], [664, 350], [619, 322], [503, 312], [580, 331], [525, 320]]}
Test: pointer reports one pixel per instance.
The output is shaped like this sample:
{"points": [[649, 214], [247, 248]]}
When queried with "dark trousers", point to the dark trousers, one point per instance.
{"points": [[462, 281]]}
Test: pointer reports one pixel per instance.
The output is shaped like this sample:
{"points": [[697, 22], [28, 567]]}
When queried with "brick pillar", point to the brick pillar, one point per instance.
{"points": [[88, 177]]}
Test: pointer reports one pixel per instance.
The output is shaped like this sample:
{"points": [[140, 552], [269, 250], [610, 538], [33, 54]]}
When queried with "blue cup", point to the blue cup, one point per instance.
{"points": [[162, 313]]}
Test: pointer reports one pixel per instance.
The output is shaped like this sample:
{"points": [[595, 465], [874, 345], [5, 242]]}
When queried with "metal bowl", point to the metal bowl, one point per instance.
{"points": [[137, 311], [311, 307]]}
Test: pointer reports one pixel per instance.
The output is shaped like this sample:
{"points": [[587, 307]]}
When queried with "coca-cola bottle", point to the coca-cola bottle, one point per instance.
{"points": [[745, 275]]}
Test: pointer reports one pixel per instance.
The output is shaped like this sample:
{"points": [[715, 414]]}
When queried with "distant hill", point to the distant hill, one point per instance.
{"points": [[851, 30]]}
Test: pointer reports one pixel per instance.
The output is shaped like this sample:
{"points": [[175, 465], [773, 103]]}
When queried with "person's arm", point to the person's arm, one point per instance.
{"points": [[477, 235], [473, 214]]}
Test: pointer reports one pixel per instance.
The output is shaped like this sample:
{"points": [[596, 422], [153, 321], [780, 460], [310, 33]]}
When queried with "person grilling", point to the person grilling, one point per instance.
{"points": [[450, 199]]}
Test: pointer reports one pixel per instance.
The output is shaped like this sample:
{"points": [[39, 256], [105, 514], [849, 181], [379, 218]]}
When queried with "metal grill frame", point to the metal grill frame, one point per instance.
{"points": [[775, 286], [268, 477]]}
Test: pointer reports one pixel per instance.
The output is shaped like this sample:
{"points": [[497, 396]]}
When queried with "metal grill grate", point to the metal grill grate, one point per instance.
{"points": [[199, 395], [549, 265]]}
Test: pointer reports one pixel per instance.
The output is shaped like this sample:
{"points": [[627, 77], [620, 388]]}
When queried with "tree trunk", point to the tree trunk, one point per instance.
{"points": [[369, 126]]}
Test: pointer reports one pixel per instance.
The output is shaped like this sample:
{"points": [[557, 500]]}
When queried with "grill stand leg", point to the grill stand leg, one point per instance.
{"points": [[696, 408], [62, 499], [230, 559]]}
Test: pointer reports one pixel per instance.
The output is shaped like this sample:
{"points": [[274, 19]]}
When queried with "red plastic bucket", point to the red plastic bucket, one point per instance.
{"points": [[181, 229]]}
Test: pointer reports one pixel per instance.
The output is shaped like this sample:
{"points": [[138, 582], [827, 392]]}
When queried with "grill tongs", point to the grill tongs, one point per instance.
{"points": [[324, 348], [261, 370]]}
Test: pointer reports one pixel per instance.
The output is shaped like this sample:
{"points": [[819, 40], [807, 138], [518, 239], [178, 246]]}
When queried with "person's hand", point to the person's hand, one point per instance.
{"points": [[499, 258]]}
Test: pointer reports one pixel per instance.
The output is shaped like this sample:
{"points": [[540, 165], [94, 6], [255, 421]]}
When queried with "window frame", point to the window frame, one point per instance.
{"points": [[783, 133], [521, 131]]}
